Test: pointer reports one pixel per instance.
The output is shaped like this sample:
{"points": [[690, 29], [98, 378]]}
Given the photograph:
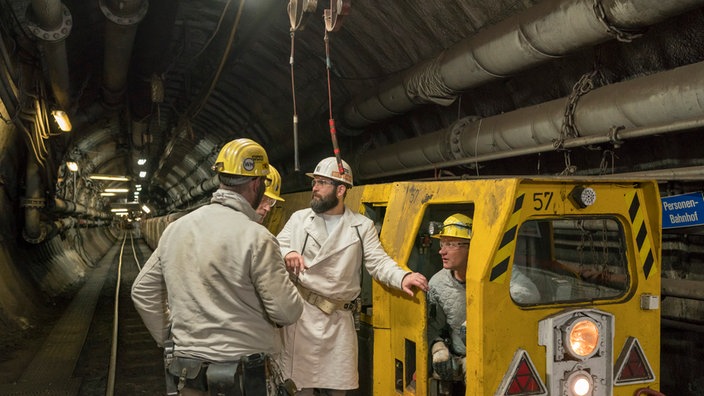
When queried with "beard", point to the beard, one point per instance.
{"points": [[325, 203], [260, 195]]}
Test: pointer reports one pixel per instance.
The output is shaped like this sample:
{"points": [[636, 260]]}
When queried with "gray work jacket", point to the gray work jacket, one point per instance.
{"points": [[218, 279]]}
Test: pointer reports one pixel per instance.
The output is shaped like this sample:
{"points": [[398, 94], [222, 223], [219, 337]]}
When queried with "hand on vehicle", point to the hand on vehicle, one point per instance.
{"points": [[414, 279]]}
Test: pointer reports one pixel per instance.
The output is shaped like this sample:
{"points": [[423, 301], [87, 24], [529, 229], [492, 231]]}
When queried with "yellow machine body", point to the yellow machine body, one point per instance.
{"points": [[591, 247]]}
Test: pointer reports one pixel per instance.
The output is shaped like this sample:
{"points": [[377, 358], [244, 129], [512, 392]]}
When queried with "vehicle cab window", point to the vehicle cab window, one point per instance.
{"points": [[569, 260]]}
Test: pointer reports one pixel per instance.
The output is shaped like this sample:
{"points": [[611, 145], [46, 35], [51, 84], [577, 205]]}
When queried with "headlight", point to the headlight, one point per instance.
{"points": [[579, 383], [581, 196], [581, 338]]}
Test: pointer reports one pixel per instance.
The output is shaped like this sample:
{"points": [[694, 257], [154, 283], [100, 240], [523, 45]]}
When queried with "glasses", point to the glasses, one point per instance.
{"points": [[452, 245], [322, 182]]}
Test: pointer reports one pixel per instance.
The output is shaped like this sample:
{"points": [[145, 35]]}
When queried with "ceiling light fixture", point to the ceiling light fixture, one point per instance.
{"points": [[109, 177], [62, 119], [72, 166], [116, 190]]}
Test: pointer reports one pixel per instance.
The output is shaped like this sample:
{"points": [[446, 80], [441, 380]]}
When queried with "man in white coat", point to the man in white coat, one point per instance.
{"points": [[324, 248]]}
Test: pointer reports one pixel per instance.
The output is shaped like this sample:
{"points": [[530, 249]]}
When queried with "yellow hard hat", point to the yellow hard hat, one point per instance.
{"points": [[273, 190], [242, 157], [457, 225], [328, 168]]}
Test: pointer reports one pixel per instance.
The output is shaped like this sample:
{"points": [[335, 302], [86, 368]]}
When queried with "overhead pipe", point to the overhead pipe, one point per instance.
{"points": [[67, 207], [683, 288], [648, 105], [34, 230], [196, 192], [123, 17], [548, 30], [51, 24], [61, 225]]}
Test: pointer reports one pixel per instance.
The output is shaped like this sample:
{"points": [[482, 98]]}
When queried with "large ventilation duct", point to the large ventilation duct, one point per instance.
{"points": [[552, 28], [51, 23], [123, 17], [652, 104]]}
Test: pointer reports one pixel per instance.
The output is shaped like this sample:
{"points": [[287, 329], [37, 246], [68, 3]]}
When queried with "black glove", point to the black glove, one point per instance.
{"points": [[442, 362]]}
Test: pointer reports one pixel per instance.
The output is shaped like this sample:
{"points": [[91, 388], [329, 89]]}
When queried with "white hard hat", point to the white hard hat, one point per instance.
{"points": [[328, 168]]}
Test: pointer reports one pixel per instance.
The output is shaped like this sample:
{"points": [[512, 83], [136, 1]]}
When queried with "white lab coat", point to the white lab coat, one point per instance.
{"points": [[320, 350]]}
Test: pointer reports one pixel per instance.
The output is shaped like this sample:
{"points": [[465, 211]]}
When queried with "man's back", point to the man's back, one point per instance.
{"points": [[226, 284]]}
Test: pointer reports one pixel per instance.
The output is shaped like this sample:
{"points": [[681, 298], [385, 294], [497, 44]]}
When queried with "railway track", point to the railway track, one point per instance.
{"points": [[97, 344]]}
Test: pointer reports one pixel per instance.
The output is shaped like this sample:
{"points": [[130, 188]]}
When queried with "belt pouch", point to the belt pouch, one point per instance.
{"points": [[254, 374], [187, 371], [223, 379]]}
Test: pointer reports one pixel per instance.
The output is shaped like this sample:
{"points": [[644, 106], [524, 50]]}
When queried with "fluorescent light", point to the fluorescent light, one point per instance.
{"points": [[141, 161], [118, 210], [72, 166], [143, 174], [117, 190], [109, 177], [62, 119], [107, 194], [146, 209]]}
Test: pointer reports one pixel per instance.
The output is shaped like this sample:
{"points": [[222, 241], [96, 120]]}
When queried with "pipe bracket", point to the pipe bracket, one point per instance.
{"points": [[36, 203], [454, 137], [124, 20], [613, 135], [39, 238], [53, 35]]}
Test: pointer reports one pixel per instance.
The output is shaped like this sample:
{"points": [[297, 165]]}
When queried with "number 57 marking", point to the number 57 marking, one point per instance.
{"points": [[541, 200]]}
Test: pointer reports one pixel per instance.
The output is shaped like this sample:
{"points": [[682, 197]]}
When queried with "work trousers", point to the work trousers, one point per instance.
{"points": [[193, 392]]}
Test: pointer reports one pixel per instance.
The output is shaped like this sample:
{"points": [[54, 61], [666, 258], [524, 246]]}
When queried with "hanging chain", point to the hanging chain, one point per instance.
{"points": [[569, 128], [604, 244], [604, 164], [580, 248], [620, 34]]}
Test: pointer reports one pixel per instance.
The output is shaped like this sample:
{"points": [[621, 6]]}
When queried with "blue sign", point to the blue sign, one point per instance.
{"points": [[685, 210]]}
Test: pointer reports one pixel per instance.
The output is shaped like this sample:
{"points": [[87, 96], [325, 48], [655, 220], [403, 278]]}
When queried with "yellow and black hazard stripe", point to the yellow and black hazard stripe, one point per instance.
{"points": [[508, 242], [637, 217]]}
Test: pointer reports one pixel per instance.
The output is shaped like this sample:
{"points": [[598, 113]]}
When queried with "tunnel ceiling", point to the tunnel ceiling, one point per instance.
{"points": [[417, 89]]}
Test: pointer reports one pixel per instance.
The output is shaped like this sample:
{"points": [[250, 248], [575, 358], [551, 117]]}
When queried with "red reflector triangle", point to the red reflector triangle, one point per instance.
{"points": [[522, 377], [632, 365]]}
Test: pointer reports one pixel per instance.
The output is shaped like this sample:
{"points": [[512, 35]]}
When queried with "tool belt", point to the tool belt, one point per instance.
{"points": [[252, 375], [327, 305]]}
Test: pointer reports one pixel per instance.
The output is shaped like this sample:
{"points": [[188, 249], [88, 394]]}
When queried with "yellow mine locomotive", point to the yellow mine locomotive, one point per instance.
{"points": [[588, 252]]}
